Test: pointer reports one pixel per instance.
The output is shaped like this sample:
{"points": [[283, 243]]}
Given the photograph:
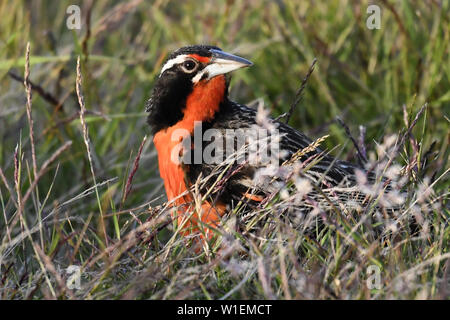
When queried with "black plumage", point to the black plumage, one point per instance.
{"points": [[327, 172]]}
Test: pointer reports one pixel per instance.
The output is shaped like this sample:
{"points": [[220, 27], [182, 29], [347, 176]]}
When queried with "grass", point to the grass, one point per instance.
{"points": [[79, 181]]}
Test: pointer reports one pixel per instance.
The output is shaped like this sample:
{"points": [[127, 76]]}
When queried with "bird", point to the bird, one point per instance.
{"points": [[191, 91]]}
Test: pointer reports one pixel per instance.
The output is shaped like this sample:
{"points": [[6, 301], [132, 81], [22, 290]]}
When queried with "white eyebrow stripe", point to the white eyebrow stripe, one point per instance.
{"points": [[169, 64]]}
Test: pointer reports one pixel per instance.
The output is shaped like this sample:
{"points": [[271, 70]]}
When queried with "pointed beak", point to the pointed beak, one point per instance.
{"points": [[222, 62]]}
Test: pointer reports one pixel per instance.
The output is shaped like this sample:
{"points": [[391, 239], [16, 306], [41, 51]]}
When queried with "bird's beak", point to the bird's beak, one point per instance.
{"points": [[222, 62]]}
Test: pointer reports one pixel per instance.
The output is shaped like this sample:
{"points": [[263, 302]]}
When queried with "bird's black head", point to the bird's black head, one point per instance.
{"points": [[183, 70]]}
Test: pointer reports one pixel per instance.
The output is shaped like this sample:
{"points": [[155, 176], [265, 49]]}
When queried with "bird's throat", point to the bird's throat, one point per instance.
{"points": [[203, 102], [201, 105]]}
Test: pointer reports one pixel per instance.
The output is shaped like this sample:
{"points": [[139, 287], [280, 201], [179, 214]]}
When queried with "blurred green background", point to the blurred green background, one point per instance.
{"points": [[364, 76]]}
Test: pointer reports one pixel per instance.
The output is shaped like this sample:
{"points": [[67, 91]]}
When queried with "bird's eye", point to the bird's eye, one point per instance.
{"points": [[189, 66]]}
